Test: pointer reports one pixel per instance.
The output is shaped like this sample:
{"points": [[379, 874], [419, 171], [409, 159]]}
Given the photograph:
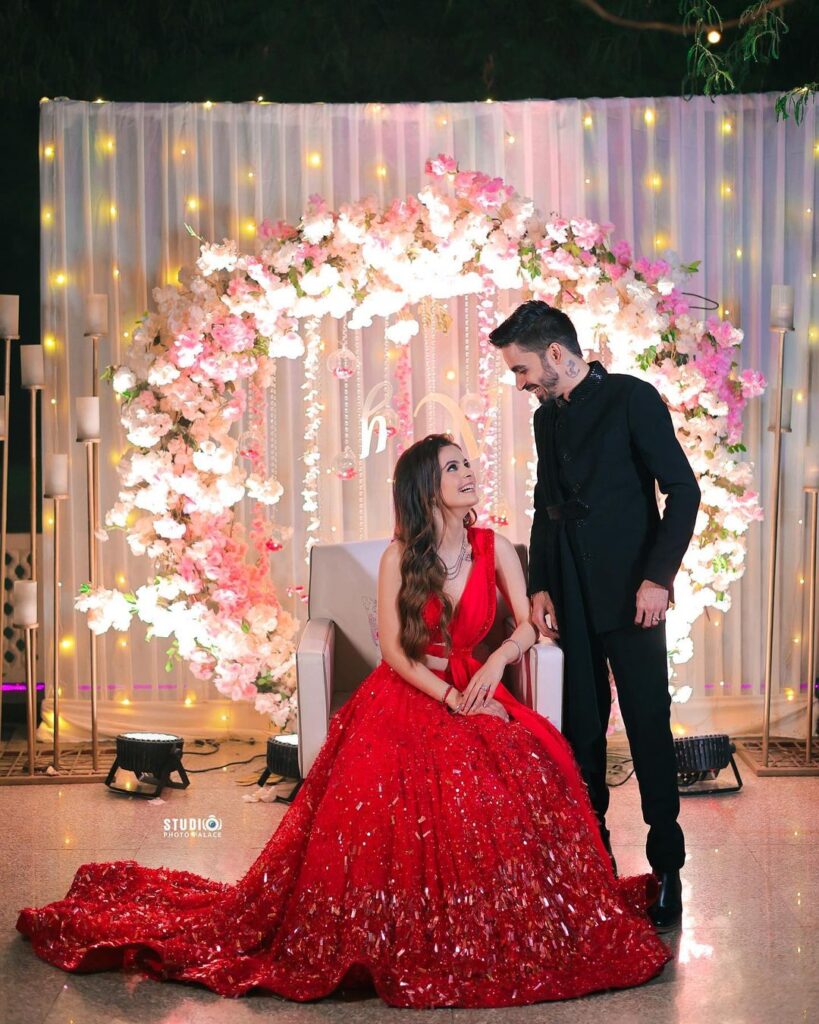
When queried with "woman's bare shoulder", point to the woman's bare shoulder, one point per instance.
{"points": [[391, 558]]}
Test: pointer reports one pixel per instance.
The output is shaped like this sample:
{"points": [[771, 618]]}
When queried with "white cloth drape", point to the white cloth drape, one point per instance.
{"points": [[721, 182]]}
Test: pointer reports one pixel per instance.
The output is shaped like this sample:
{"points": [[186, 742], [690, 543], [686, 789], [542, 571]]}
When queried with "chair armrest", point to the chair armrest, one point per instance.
{"points": [[537, 680], [314, 688]]}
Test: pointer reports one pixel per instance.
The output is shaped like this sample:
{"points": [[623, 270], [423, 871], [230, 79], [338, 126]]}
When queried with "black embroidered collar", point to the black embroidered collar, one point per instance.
{"points": [[587, 387]]}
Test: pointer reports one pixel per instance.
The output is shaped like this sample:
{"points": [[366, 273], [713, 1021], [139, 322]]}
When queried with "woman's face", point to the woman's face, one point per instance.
{"points": [[458, 482]]}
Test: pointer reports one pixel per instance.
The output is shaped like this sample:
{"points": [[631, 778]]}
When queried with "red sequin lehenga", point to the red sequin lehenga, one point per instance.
{"points": [[450, 861]]}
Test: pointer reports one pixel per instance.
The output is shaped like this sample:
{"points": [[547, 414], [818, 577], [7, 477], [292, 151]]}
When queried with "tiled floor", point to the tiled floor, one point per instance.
{"points": [[747, 953]]}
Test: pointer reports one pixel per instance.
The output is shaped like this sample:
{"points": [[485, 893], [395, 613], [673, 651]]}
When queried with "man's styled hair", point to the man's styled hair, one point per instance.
{"points": [[534, 326]]}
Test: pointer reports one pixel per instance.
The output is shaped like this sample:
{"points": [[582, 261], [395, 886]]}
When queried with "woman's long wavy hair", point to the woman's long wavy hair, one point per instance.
{"points": [[416, 493]]}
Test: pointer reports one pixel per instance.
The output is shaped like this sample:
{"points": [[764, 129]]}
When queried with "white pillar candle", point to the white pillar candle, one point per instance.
{"points": [[9, 316], [24, 603], [32, 366], [96, 314], [88, 418], [782, 306], [2, 417], [55, 476]]}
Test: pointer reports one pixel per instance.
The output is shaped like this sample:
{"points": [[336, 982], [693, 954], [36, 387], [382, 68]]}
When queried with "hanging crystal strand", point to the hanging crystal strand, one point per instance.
{"points": [[500, 514], [390, 413], [471, 403], [345, 464], [277, 535], [487, 424], [359, 401], [312, 452], [430, 367]]}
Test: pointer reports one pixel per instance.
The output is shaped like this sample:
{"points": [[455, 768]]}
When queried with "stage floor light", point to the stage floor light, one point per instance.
{"points": [[283, 759], [152, 757], [700, 759]]}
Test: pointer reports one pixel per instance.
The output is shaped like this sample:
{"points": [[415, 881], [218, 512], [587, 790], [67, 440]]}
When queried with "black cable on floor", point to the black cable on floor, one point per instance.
{"points": [[616, 764], [216, 768]]}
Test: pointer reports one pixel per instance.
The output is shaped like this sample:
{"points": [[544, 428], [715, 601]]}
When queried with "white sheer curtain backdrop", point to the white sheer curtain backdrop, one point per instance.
{"points": [[721, 182]]}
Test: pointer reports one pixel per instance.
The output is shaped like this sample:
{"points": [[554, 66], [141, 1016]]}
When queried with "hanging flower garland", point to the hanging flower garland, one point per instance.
{"points": [[212, 340]]}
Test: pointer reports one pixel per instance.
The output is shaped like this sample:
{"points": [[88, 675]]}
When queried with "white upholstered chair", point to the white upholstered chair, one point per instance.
{"points": [[339, 646]]}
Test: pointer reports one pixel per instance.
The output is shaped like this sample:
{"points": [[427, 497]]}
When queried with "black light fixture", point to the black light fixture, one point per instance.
{"points": [[152, 757], [700, 759], [283, 759]]}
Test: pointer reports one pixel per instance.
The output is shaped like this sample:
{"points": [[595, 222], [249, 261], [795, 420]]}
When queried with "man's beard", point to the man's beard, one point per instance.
{"points": [[548, 385]]}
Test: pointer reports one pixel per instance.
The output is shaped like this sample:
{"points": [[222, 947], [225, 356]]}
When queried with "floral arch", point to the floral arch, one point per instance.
{"points": [[200, 364]]}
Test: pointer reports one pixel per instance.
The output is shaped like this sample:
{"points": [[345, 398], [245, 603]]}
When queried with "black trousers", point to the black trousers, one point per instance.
{"points": [[638, 659], [639, 665]]}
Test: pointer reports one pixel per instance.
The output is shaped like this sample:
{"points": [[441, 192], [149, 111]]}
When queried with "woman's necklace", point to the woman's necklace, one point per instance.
{"points": [[453, 571]]}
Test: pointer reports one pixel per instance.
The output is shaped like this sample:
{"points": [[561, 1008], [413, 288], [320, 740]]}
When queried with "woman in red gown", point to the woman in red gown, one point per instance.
{"points": [[442, 848]]}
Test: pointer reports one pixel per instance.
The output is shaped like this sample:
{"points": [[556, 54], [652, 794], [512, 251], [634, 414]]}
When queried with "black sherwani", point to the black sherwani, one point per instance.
{"points": [[597, 534]]}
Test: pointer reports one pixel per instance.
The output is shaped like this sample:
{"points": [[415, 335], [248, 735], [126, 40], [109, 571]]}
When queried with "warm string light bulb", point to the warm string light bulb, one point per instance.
{"points": [[314, 160], [588, 121], [714, 36], [648, 116]]}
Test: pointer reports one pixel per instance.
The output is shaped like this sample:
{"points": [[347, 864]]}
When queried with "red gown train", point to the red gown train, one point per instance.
{"points": [[449, 861]]}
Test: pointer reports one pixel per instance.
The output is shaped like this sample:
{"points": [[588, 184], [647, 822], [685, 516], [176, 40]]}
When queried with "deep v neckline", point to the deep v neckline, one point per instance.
{"points": [[456, 607]]}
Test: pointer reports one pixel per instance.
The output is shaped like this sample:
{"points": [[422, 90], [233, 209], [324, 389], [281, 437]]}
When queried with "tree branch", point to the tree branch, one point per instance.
{"points": [[669, 26]]}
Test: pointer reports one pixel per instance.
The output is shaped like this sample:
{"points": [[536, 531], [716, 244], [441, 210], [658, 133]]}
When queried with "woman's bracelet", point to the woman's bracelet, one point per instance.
{"points": [[510, 640], [451, 686]]}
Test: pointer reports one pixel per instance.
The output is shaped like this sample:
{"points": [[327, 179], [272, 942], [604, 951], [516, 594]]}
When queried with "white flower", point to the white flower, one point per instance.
{"points": [[218, 257], [402, 331], [123, 380], [213, 458], [169, 528], [318, 280], [316, 226], [262, 619], [267, 491], [162, 372]]}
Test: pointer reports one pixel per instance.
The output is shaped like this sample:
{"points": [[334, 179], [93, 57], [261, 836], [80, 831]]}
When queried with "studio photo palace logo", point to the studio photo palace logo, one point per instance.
{"points": [[209, 827]]}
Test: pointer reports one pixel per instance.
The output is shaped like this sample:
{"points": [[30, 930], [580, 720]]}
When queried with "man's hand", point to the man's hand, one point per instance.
{"points": [[652, 604], [542, 607]]}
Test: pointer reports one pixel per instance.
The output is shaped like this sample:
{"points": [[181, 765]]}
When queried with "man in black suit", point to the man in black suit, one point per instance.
{"points": [[602, 563]]}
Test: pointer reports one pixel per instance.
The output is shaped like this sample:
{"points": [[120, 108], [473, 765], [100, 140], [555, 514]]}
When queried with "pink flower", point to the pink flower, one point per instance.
{"points": [[753, 383], [234, 334], [441, 165], [622, 253], [587, 234], [279, 230]]}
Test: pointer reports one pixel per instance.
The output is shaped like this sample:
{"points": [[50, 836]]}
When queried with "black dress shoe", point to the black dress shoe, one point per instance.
{"points": [[666, 911]]}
